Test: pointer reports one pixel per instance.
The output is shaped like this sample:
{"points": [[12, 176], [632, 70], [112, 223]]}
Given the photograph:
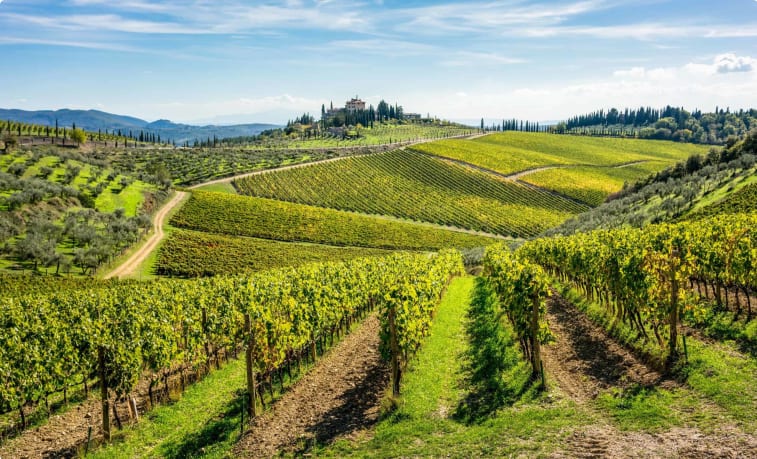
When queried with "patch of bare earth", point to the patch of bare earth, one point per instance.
{"points": [[339, 398], [64, 435], [584, 361]]}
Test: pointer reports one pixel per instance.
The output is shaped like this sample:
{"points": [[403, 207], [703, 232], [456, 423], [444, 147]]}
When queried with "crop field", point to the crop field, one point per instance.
{"points": [[415, 186], [192, 254], [277, 220], [591, 184], [511, 152]]}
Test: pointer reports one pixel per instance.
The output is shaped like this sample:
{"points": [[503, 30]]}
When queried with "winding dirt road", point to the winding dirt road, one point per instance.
{"points": [[135, 260]]}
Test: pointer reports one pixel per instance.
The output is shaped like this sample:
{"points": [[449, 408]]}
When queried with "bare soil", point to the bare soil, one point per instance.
{"points": [[64, 435], [584, 361], [339, 398]]}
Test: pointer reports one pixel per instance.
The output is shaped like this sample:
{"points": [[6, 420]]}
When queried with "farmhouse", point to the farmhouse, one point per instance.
{"points": [[354, 105]]}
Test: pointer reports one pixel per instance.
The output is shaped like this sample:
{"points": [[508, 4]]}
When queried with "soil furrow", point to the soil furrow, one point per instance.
{"points": [[338, 398]]}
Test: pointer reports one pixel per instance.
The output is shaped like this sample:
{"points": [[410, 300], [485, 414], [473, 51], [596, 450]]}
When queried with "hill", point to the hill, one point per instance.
{"points": [[95, 120], [60, 209], [689, 186]]}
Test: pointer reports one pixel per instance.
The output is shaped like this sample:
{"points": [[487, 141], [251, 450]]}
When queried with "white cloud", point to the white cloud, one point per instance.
{"points": [[723, 63], [730, 62], [690, 85]]}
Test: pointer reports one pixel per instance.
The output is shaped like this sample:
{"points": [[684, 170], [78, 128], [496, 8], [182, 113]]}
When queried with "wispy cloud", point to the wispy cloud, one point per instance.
{"points": [[640, 31], [468, 58], [66, 43], [485, 16], [199, 17]]}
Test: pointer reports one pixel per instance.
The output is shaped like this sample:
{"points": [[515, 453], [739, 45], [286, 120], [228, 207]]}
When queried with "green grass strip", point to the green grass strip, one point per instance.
{"points": [[435, 416], [205, 422]]}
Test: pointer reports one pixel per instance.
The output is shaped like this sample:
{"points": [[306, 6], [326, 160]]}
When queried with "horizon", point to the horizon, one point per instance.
{"points": [[196, 62]]}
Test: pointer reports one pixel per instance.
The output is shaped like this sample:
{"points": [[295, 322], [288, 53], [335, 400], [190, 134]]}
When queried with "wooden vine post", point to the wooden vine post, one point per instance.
{"points": [[395, 350], [252, 402], [673, 317], [535, 345], [104, 392]]}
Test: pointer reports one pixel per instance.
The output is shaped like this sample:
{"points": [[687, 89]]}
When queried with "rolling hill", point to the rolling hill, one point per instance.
{"points": [[94, 120]]}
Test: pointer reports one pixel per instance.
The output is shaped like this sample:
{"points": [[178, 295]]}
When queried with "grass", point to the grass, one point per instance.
{"points": [[205, 422], [146, 270], [223, 187], [129, 198], [726, 377], [724, 191], [432, 420], [719, 383]]}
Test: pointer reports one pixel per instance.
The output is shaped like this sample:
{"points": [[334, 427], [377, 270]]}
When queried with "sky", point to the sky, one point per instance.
{"points": [[204, 61]]}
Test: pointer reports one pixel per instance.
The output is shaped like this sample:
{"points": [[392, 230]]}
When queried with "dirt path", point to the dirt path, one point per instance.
{"points": [[584, 361], [387, 147], [266, 171], [584, 349], [518, 175], [134, 261], [338, 398]]}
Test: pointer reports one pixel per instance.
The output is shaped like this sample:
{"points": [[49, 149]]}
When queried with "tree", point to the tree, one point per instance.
{"points": [[78, 136]]}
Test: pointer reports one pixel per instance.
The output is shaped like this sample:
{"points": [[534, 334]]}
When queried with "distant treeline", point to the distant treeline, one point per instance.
{"points": [[669, 123]]}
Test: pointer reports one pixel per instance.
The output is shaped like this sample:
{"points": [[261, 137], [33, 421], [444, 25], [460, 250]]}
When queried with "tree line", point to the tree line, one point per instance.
{"points": [[668, 123]]}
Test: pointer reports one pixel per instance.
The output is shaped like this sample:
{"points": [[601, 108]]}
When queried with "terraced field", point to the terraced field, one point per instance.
{"points": [[415, 186], [233, 215]]}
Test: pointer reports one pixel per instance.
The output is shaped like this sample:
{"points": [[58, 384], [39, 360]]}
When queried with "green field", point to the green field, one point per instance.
{"points": [[510, 152], [591, 184], [415, 186], [113, 196], [192, 253], [284, 221]]}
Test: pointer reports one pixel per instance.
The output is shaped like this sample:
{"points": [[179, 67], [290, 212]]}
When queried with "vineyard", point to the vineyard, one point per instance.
{"points": [[196, 254], [591, 184], [284, 221], [511, 152], [647, 279], [414, 186], [279, 317], [608, 342], [742, 200]]}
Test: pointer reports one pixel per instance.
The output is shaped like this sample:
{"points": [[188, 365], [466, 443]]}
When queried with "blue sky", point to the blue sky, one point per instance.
{"points": [[233, 61]]}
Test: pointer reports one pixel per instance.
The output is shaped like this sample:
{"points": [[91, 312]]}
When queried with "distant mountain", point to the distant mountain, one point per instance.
{"points": [[94, 120]]}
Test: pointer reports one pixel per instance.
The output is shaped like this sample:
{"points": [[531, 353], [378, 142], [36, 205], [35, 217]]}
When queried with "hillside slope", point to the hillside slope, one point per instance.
{"points": [[689, 186]]}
